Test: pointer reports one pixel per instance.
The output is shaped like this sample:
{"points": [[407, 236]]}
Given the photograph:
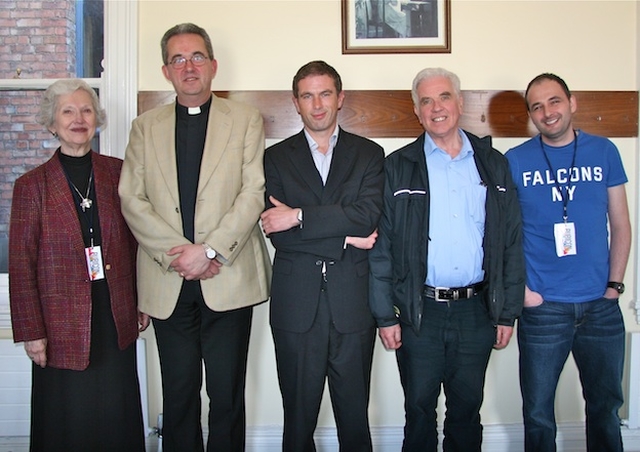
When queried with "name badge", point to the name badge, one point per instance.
{"points": [[565, 235], [94, 262]]}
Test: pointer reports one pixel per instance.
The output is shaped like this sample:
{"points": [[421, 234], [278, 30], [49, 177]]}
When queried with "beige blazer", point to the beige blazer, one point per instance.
{"points": [[229, 201]]}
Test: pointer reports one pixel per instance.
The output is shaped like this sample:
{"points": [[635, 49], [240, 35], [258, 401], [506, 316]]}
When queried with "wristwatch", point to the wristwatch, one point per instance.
{"points": [[209, 252], [616, 285], [300, 216]]}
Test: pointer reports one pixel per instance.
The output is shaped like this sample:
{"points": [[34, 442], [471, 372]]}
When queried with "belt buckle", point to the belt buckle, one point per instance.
{"points": [[436, 294]]}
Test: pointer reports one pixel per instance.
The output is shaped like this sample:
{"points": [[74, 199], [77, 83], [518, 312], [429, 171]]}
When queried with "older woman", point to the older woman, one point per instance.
{"points": [[72, 286]]}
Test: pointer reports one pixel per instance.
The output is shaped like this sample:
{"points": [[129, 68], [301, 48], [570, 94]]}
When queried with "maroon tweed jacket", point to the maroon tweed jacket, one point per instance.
{"points": [[49, 287]]}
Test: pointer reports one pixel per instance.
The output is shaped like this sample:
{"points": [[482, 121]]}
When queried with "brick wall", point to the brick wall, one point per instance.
{"points": [[38, 39]]}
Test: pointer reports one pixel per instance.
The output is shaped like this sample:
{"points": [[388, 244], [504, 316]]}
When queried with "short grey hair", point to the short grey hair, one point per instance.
{"points": [[432, 72], [62, 87], [185, 29]]}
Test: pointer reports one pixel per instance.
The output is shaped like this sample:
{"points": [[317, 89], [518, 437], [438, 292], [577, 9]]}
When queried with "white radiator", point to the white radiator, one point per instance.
{"points": [[15, 388], [634, 382]]}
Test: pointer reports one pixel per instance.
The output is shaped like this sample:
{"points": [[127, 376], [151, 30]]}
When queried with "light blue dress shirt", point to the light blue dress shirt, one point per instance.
{"points": [[456, 216], [322, 161]]}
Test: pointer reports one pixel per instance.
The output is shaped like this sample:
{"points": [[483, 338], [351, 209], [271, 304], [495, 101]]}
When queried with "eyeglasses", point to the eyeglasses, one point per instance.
{"points": [[196, 59]]}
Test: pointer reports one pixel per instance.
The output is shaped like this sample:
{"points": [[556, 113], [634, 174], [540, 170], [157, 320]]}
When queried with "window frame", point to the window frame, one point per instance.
{"points": [[118, 87]]}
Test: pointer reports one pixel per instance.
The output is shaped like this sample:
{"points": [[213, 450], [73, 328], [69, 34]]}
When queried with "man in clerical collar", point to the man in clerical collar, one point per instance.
{"points": [[192, 190]]}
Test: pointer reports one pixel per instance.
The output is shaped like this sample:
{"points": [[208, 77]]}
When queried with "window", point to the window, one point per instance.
{"points": [[41, 46]]}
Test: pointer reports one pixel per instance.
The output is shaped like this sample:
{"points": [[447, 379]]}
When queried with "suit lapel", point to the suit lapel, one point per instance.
{"points": [[164, 148], [302, 160], [341, 164], [219, 129], [62, 200], [105, 194]]}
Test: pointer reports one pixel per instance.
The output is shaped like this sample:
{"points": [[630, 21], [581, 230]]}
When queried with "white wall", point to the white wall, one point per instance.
{"points": [[495, 45]]}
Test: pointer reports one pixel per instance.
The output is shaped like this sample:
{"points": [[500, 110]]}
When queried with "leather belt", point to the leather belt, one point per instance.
{"points": [[447, 294]]}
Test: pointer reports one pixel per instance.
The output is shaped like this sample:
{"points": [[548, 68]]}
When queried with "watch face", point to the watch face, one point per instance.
{"points": [[211, 253], [619, 287]]}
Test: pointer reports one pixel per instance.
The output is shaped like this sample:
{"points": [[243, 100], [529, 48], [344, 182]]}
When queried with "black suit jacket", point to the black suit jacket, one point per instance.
{"points": [[349, 204]]}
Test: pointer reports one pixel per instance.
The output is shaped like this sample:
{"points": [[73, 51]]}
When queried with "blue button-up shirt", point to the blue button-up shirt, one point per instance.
{"points": [[456, 216], [322, 161]]}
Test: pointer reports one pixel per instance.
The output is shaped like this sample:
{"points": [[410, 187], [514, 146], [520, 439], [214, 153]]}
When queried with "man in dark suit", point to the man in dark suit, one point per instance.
{"points": [[324, 198]]}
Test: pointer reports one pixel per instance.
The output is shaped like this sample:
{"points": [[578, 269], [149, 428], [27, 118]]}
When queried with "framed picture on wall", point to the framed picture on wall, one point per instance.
{"points": [[396, 26]]}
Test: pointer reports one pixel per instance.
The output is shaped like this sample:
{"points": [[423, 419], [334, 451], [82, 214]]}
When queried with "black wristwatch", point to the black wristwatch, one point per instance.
{"points": [[616, 285]]}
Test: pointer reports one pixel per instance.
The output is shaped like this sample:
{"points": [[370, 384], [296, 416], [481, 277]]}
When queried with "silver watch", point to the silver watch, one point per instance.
{"points": [[209, 252]]}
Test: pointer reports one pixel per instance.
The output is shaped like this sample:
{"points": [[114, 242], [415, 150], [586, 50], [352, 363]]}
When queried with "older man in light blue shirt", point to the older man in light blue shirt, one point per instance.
{"points": [[447, 271], [456, 220]]}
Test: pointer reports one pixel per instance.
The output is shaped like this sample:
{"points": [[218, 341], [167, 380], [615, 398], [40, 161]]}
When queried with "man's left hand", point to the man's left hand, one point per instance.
{"points": [[363, 243], [503, 336]]}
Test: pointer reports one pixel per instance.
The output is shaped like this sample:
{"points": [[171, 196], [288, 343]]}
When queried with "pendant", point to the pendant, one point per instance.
{"points": [[85, 203]]}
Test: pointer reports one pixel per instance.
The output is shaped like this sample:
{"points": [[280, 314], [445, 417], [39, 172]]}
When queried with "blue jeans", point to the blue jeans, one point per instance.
{"points": [[594, 333], [451, 350]]}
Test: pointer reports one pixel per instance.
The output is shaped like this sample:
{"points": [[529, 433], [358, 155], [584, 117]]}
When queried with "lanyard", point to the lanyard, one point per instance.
{"points": [[565, 199]]}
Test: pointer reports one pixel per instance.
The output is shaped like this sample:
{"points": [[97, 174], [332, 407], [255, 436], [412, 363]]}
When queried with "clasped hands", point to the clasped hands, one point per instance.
{"points": [[192, 263]]}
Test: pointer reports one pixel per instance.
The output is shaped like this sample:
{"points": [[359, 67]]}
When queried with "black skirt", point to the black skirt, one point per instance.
{"points": [[97, 409]]}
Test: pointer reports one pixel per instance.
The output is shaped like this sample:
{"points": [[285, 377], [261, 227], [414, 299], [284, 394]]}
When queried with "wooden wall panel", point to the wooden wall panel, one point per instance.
{"points": [[389, 113]]}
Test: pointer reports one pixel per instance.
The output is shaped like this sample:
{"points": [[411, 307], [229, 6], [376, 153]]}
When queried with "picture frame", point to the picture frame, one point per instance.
{"points": [[396, 26]]}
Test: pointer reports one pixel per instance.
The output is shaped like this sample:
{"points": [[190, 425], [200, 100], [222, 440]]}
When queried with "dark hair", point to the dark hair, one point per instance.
{"points": [[185, 29], [317, 67], [546, 76]]}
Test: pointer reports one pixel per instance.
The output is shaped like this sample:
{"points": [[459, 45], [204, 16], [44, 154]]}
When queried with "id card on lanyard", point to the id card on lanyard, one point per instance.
{"points": [[564, 233], [94, 262], [565, 236]]}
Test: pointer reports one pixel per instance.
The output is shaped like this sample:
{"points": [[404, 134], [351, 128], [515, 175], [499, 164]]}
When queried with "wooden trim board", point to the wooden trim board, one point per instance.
{"points": [[389, 113]]}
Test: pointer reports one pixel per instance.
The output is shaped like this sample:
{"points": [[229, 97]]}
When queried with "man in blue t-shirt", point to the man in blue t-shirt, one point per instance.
{"points": [[569, 184]]}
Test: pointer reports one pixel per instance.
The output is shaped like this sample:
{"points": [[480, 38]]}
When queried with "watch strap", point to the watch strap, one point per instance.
{"points": [[618, 286]]}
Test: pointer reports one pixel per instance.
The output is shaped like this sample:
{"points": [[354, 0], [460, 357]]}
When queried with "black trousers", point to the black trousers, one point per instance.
{"points": [[193, 334], [304, 361], [450, 352]]}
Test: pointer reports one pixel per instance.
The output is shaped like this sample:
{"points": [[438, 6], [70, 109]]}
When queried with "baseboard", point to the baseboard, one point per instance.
{"points": [[497, 438]]}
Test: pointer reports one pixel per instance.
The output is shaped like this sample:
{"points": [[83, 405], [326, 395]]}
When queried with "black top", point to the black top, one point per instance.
{"points": [[191, 131], [78, 171]]}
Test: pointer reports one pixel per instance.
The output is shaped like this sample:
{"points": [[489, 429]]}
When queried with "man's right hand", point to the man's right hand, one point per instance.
{"points": [[391, 336], [212, 270], [531, 298], [191, 263]]}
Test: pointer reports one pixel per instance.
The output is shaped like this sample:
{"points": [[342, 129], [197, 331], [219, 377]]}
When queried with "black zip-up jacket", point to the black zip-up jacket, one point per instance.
{"points": [[398, 259]]}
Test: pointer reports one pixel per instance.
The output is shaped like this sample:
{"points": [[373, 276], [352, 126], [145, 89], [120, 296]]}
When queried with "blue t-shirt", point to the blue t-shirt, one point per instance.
{"points": [[598, 166]]}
